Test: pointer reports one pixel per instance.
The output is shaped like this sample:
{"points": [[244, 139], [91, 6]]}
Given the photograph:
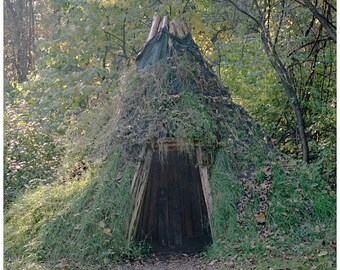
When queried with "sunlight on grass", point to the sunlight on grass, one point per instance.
{"points": [[30, 213], [20, 264], [82, 221]]}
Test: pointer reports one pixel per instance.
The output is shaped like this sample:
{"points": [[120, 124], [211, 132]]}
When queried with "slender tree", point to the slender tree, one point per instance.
{"points": [[18, 38], [270, 39]]}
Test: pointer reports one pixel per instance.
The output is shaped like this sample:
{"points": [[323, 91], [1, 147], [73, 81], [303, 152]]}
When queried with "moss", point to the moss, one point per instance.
{"points": [[197, 126]]}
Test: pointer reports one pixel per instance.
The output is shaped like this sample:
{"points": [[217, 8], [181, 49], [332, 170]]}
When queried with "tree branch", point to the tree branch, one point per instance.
{"points": [[280, 24], [307, 44], [324, 21], [215, 36], [330, 5], [245, 13]]}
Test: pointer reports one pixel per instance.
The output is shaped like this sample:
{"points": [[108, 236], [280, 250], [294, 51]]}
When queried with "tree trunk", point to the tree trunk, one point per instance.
{"points": [[286, 79], [289, 88], [19, 28]]}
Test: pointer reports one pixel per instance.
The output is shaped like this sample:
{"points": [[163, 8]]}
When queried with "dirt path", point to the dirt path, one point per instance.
{"points": [[175, 261]]}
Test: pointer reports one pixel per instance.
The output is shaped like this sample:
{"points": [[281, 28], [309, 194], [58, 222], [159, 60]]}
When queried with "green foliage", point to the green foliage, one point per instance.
{"points": [[256, 88], [238, 57], [196, 125], [251, 84], [231, 234], [26, 219], [31, 155], [80, 60], [66, 107]]}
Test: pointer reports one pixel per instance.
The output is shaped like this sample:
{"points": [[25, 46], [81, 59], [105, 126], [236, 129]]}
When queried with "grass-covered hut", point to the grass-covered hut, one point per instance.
{"points": [[177, 163]]}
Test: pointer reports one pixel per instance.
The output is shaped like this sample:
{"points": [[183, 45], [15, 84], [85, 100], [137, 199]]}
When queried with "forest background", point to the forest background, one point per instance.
{"points": [[63, 59]]}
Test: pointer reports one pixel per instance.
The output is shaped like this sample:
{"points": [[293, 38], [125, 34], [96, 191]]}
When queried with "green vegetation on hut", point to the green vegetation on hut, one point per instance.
{"points": [[79, 111]]}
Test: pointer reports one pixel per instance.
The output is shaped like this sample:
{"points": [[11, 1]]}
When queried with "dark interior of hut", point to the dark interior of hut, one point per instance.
{"points": [[174, 215]]}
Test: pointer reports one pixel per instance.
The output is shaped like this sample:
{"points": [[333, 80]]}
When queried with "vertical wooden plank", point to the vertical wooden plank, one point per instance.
{"points": [[187, 197], [138, 196], [181, 185], [168, 173], [155, 184], [154, 27], [172, 30], [164, 23], [142, 229], [178, 235], [138, 169], [205, 181], [197, 214], [178, 28], [175, 222], [201, 206], [171, 214], [162, 217], [184, 26], [185, 208]]}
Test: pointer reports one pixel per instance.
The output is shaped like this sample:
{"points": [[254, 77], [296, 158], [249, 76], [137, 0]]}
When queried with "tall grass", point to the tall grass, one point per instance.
{"points": [[299, 202], [84, 220], [228, 233], [301, 199]]}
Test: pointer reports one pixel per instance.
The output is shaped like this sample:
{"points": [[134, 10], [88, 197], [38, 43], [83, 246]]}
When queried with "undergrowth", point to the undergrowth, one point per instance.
{"points": [[87, 219], [301, 210]]}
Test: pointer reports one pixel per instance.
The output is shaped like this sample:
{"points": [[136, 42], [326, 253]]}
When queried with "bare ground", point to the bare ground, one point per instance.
{"points": [[181, 261]]}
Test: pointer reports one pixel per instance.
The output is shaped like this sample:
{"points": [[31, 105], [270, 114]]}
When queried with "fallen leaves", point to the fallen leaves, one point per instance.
{"points": [[106, 229], [101, 224], [106, 261], [175, 261], [212, 262], [330, 264], [61, 265], [262, 188], [323, 253], [317, 229], [264, 185], [260, 218], [333, 245], [267, 171], [274, 258], [231, 264]]}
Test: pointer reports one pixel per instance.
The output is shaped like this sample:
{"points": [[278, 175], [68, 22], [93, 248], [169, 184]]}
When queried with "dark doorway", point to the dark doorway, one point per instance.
{"points": [[174, 215]]}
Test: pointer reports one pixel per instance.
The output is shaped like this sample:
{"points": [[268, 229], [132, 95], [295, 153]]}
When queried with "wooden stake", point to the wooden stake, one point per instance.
{"points": [[154, 27], [172, 29], [139, 193], [164, 23], [184, 27], [178, 29], [138, 169], [205, 181]]}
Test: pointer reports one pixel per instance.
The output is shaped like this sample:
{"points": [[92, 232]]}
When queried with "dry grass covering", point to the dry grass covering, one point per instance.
{"points": [[259, 198]]}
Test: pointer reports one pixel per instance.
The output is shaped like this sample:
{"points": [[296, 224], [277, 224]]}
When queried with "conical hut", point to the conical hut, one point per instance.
{"points": [[176, 121], [172, 162]]}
